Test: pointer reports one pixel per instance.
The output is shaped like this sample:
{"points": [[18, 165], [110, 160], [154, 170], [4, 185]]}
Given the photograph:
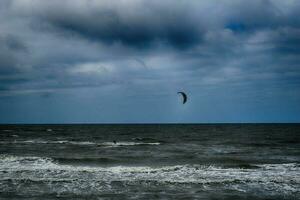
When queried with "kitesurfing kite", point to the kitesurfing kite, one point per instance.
{"points": [[184, 97]]}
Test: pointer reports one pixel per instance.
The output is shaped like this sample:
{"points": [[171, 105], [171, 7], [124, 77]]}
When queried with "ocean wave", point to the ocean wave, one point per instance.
{"points": [[49, 142], [112, 144], [105, 144], [7, 130], [270, 177]]}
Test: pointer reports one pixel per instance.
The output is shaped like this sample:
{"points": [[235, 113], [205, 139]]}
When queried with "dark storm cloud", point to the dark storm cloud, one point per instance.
{"points": [[89, 43], [145, 25], [136, 35]]}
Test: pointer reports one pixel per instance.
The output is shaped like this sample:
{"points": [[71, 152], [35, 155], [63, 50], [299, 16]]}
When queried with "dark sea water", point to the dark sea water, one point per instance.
{"points": [[229, 161]]}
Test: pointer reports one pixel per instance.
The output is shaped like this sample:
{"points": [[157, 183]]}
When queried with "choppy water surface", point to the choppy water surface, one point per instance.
{"points": [[237, 161]]}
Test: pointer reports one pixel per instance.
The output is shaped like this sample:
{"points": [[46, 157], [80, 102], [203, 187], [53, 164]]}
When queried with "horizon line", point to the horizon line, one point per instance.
{"points": [[151, 123]]}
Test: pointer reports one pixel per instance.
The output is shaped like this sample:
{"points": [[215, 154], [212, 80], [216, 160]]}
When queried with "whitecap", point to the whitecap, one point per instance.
{"points": [[112, 144], [81, 143], [280, 178], [52, 142]]}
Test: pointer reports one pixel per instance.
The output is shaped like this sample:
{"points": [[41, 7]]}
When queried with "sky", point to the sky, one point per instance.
{"points": [[105, 61]]}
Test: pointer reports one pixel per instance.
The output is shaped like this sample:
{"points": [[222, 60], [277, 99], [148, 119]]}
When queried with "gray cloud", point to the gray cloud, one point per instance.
{"points": [[89, 56], [187, 43], [11, 52], [130, 25]]}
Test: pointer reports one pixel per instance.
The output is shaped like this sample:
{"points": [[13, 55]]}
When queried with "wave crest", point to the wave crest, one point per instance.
{"points": [[279, 178], [82, 143]]}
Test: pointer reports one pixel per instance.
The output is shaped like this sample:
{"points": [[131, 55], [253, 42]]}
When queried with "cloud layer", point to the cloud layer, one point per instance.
{"points": [[251, 47]]}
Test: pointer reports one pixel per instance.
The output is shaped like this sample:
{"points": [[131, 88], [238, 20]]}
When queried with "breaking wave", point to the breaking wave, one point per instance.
{"points": [[278, 178], [106, 144], [112, 144]]}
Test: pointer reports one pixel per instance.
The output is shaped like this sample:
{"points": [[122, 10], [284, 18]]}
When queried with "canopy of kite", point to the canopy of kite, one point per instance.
{"points": [[184, 97]]}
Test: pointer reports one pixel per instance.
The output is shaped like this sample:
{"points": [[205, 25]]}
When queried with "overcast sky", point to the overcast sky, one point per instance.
{"points": [[105, 61]]}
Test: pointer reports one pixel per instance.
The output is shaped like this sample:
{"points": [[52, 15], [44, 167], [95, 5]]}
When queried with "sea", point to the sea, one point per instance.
{"points": [[150, 161]]}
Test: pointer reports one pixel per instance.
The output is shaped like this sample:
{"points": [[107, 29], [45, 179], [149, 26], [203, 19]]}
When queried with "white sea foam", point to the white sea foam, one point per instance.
{"points": [[105, 144], [58, 142], [32, 142], [282, 178], [112, 144], [7, 130]]}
